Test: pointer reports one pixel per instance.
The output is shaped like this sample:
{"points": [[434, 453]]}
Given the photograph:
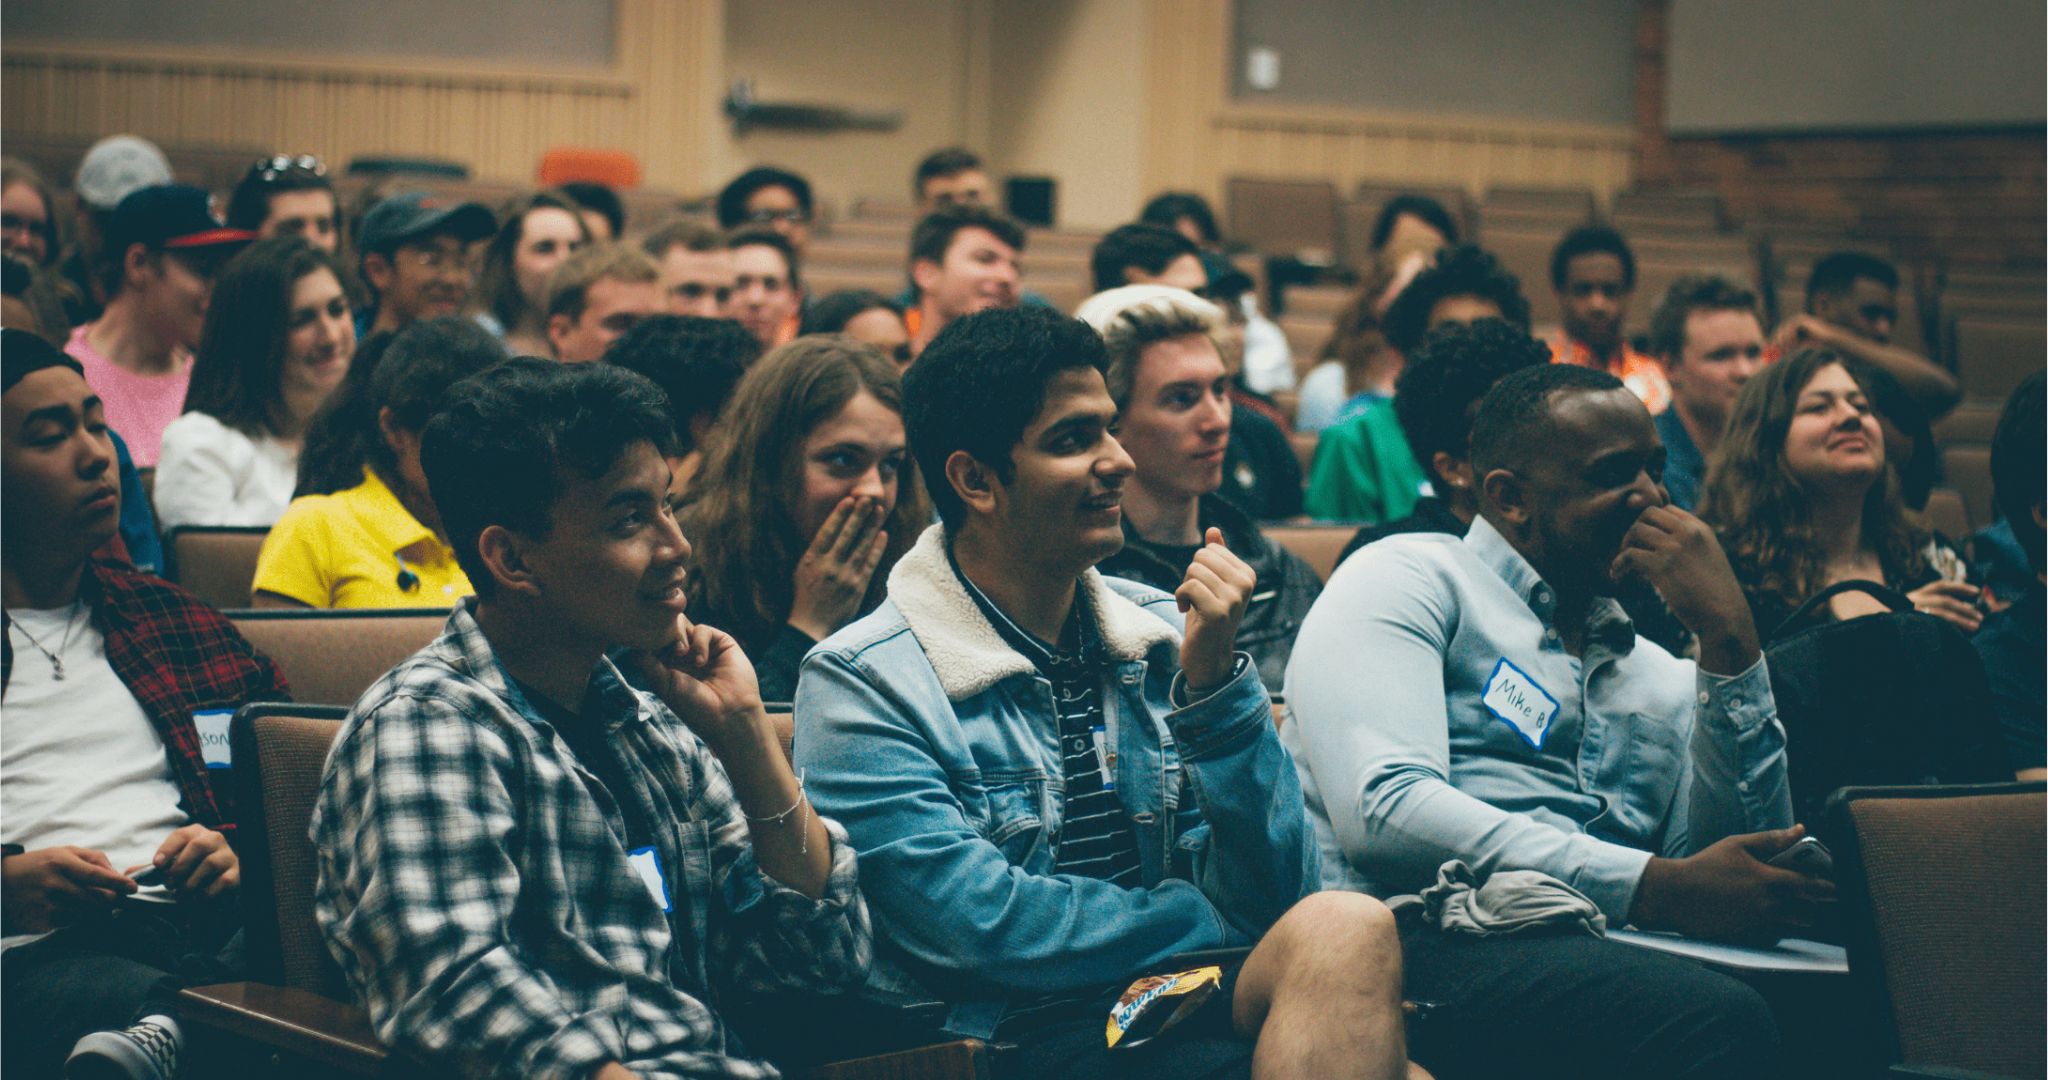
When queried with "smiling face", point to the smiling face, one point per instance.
{"points": [[1177, 424], [1063, 503], [1571, 504], [612, 564], [24, 223], [1594, 299], [979, 272], [422, 279], [307, 213], [857, 451], [320, 339], [59, 494], [1833, 441], [548, 235]]}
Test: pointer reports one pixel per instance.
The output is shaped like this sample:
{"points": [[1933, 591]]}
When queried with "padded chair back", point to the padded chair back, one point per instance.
{"points": [[1316, 545], [569, 164], [1944, 891], [1284, 217], [279, 753], [331, 657], [216, 563]]}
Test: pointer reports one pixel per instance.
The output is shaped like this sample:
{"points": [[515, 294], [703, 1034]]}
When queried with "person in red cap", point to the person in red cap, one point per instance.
{"points": [[164, 245]]}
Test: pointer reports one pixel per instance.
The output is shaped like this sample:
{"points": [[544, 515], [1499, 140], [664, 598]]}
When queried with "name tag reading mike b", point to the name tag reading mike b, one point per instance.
{"points": [[1517, 701]]}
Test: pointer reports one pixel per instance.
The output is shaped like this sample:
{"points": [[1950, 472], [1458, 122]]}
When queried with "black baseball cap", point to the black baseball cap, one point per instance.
{"points": [[172, 217], [410, 215]]}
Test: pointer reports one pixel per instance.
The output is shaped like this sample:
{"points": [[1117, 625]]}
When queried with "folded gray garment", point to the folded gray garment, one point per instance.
{"points": [[1509, 902]]}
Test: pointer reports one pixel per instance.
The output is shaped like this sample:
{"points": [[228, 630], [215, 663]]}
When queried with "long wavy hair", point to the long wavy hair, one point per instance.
{"points": [[1762, 514], [738, 515], [497, 283], [238, 376]]}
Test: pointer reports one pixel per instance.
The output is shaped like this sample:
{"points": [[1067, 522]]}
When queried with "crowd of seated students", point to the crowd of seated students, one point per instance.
{"points": [[1008, 566]]}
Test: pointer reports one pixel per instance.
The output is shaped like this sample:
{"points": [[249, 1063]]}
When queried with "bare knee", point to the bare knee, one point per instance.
{"points": [[1331, 936]]}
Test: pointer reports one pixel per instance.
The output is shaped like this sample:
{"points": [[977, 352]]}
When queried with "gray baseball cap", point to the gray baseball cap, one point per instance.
{"points": [[118, 166]]}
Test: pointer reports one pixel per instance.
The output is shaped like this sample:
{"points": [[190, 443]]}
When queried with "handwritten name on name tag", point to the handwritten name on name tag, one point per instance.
{"points": [[213, 737], [1517, 701]]}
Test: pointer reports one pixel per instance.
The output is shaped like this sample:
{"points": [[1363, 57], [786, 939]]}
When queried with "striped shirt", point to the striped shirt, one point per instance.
{"points": [[1095, 839]]}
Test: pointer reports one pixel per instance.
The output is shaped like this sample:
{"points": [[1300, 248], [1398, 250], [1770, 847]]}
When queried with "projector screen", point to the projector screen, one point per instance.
{"points": [[1737, 66]]}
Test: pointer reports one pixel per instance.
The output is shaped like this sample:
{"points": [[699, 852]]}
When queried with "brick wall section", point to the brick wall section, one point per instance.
{"points": [[1942, 198]]}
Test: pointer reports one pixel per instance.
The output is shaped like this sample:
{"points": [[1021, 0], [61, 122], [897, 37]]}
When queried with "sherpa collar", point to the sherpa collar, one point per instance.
{"points": [[967, 653]]}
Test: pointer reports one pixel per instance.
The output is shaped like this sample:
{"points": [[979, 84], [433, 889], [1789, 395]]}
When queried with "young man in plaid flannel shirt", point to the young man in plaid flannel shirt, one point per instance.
{"points": [[116, 881], [527, 867]]}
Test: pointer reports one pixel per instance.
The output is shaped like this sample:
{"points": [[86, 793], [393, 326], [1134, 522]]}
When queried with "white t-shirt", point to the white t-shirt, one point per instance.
{"points": [[1268, 361], [80, 762], [211, 474]]}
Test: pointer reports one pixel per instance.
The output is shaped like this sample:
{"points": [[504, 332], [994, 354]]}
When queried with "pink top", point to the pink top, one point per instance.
{"points": [[139, 407]]}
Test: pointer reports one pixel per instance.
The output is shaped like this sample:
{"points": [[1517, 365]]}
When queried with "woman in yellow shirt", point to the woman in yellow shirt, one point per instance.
{"points": [[362, 532]]}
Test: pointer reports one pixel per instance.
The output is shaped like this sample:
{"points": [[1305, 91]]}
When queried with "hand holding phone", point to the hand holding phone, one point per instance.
{"points": [[1808, 856]]}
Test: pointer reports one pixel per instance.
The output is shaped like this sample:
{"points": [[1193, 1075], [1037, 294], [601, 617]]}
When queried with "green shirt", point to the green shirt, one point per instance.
{"points": [[1364, 471]]}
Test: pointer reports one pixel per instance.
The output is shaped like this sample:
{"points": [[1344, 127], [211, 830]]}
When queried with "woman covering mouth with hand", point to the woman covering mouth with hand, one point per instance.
{"points": [[278, 339]]}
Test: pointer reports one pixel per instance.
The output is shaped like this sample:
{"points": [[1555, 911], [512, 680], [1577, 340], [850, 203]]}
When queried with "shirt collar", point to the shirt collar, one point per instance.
{"points": [[1043, 655], [1606, 622], [379, 511], [607, 700]]}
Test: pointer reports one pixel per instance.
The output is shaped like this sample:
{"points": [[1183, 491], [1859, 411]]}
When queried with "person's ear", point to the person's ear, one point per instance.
{"points": [[559, 326], [926, 273], [377, 271], [1507, 495], [973, 481], [394, 433], [504, 556], [1456, 472], [139, 266]]}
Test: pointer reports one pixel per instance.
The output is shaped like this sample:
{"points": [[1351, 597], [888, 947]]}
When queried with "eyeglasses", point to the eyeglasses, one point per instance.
{"points": [[436, 259], [272, 169], [770, 217]]}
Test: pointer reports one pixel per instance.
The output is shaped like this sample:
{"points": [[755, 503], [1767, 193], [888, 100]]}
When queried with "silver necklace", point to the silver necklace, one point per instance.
{"points": [[56, 658]]}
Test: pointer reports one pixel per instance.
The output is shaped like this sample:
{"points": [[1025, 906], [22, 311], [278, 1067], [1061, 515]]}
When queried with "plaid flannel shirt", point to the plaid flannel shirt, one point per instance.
{"points": [[474, 885], [177, 656]]}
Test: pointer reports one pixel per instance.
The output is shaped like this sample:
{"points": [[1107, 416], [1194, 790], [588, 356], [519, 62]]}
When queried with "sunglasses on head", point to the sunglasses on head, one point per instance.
{"points": [[276, 168]]}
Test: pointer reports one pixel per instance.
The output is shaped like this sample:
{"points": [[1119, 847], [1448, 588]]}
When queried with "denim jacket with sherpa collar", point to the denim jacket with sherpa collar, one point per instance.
{"points": [[936, 744]]}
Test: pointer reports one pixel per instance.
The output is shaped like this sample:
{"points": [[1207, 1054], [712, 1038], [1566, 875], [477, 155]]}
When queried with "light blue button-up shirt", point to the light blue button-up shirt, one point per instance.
{"points": [[1434, 714]]}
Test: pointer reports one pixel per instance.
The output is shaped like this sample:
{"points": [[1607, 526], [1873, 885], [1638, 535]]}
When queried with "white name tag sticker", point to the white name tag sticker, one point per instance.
{"points": [[213, 737], [647, 863], [1517, 701]]}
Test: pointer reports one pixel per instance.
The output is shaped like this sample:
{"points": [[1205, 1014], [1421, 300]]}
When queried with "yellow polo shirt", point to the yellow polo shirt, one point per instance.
{"points": [[358, 548]]}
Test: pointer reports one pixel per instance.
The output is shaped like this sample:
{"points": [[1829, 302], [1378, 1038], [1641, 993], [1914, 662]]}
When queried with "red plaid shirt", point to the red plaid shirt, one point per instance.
{"points": [[177, 656]]}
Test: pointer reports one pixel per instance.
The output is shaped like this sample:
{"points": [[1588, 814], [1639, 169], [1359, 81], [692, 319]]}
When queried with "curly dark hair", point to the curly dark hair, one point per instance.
{"points": [[1464, 270], [697, 362], [1439, 391]]}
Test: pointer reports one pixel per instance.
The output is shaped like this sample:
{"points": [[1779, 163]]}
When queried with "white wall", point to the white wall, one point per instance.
{"points": [[1067, 100]]}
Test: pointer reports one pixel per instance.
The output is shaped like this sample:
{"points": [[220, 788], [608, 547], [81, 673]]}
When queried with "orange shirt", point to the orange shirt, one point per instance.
{"points": [[1641, 373]]}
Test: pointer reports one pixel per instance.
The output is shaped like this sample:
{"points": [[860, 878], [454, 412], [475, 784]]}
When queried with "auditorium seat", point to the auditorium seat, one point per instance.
{"points": [[1942, 890], [216, 563], [294, 1018], [1318, 301], [1304, 443], [1535, 210], [1666, 212], [1948, 514], [1317, 545], [1284, 218], [1527, 256], [1968, 470], [331, 657], [1305, 336], [616, 169], [1968, 423], [1992, 356]]}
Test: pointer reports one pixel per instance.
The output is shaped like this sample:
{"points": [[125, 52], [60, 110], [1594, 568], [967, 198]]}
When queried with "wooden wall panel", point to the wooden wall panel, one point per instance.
{"points": [[661, 100]]}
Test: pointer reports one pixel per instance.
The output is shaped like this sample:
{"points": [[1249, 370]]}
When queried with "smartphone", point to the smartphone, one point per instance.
{"points": [[150, 877], [1808, 856]]}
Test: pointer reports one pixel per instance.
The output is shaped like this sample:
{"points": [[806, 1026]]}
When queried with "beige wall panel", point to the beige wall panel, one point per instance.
{"points": [[1070, 103]]}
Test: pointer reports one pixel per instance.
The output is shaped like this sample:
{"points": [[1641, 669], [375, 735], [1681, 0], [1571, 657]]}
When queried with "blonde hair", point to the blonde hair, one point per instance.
{"points": [[1134, 316], [570, 284]]}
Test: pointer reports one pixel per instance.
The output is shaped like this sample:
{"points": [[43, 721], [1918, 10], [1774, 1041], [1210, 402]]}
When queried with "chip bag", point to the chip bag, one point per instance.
{"points": [[1153, 1004]]}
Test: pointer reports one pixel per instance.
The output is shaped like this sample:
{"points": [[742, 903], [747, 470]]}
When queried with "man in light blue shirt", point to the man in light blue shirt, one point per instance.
{"points": [[1485, 699]]}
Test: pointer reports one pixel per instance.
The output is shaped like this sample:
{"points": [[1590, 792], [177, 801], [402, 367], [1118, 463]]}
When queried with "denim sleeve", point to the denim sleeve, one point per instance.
{"points": [[1735, 781], [1365, 698], [940, 891], [1260, 856]]}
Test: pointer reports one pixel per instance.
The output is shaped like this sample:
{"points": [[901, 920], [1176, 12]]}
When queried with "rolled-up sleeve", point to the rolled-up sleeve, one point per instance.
{"points": [[1736, 782]]}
